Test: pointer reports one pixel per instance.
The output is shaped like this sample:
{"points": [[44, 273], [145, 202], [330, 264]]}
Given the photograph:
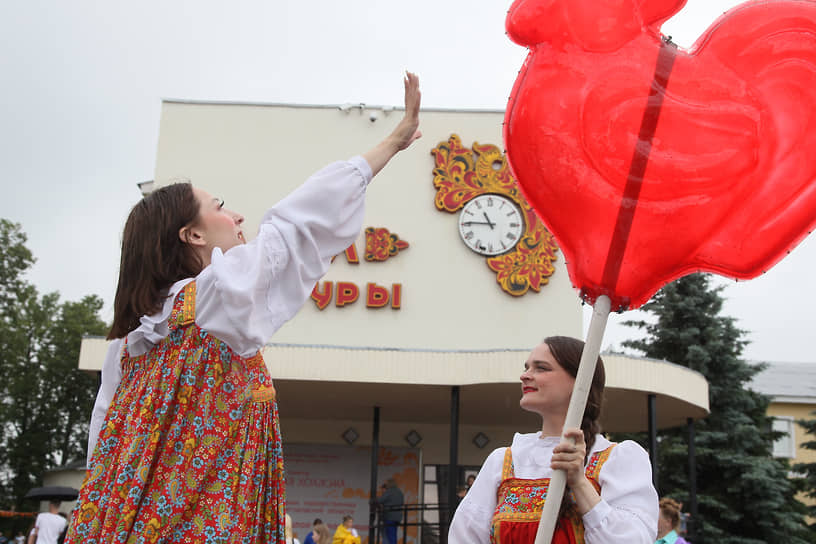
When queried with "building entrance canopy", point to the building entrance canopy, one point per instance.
{"points": [[414, 385]]}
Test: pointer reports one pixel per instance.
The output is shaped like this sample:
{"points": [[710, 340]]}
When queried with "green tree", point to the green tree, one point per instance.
{"points": [[744, 495], [807, 484], [45, 400]]}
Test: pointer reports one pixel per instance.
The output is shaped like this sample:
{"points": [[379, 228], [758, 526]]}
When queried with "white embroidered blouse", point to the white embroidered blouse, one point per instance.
{"points": [[627, 512]]}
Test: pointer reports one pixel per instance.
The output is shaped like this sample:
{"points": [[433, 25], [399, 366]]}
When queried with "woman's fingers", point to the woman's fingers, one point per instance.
{"points": [[412, 94], [569, 455]]}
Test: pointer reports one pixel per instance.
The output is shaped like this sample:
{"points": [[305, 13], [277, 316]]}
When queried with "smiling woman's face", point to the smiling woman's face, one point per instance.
{"points": [[546, 388]]}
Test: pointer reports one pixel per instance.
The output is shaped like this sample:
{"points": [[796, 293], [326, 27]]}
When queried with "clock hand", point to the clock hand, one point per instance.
{"points": [[488, 221], [468, 223]]}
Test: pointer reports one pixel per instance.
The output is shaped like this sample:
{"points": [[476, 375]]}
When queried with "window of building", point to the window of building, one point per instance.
{"points": [[785, 445]]}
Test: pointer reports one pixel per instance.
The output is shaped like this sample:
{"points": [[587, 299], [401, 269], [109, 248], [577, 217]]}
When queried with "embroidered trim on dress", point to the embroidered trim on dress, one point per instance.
{"points": [[522, 500], [184, 315], [263, 394]]}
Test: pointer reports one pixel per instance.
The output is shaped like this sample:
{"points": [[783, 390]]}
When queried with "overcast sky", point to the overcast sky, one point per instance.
{"points": [[82, 84]]}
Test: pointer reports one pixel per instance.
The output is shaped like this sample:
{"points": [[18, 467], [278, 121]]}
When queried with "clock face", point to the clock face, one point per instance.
{"points": [[490, 224]]}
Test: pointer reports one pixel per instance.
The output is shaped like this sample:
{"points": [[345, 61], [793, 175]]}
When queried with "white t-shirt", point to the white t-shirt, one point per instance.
{"points": [[49, 526], [249, 292], [627, 512]]}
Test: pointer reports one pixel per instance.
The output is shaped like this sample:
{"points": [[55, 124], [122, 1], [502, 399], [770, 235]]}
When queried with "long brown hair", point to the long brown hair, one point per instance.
{"points": [[567, 353], [153, 255]]}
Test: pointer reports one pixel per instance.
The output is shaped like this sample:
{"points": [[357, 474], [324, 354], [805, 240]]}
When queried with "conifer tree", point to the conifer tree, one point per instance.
{"points": [[743, 493]]}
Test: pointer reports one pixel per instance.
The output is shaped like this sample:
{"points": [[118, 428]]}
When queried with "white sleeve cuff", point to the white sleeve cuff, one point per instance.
{"points": [[596, 518], [362, 165]]}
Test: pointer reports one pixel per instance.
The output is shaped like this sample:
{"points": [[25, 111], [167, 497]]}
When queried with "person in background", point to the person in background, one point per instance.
{"points": [[310, 536], [322, 534], [668, 522], [470, 479], [289, 532], [49, 526], [461, 491], [346, 533], [391, 501], [609, 498]]}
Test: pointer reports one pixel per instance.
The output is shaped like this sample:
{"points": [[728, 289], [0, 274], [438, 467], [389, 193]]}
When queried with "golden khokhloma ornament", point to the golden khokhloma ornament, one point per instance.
{"points": [[495, 219]]}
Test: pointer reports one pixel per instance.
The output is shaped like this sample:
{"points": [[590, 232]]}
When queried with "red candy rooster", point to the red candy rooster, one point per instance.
{"points": [[648, 162]]}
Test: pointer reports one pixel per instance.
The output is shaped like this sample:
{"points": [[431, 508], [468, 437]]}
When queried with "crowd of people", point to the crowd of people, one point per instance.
{"points": [[50, 527], [668, 526], [345, 533]]}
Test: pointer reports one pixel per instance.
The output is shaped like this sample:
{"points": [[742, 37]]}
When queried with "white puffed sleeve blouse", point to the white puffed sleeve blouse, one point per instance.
{"points": [[627, 512], [250, 291]]}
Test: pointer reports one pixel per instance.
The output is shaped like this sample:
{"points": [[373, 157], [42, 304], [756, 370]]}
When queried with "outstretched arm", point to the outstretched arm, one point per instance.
{"points": [[406, 132]]}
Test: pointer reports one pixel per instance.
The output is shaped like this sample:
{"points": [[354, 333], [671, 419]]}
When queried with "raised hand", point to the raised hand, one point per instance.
{"points": [[408, 129], [405, 133]]}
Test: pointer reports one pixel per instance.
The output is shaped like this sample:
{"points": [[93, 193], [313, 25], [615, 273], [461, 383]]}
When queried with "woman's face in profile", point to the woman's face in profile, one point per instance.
{"points": [[219, 226]]}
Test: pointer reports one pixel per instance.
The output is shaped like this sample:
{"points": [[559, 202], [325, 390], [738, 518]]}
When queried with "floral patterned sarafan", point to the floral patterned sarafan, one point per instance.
{"points": [[461, 174], [519, 504], [190, 451]]}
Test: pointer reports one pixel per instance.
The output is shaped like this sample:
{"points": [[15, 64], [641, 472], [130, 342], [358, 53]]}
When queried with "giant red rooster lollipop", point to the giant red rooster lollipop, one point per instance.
{"points": [[648, 162]]}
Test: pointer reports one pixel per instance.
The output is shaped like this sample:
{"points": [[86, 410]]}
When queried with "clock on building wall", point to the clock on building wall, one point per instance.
{"points": [[490, 224], [494, 218]]}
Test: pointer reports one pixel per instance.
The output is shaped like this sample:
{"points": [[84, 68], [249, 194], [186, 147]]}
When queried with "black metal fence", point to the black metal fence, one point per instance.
{"points": [[425, 523]]}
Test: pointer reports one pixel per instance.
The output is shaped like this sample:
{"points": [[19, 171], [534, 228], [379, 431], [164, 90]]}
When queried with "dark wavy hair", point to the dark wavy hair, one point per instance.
{"points": [[567, 353], [153, 255]]}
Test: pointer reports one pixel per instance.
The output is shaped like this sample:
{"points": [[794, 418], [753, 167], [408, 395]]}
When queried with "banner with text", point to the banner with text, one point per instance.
{"points": [[329, 482]]}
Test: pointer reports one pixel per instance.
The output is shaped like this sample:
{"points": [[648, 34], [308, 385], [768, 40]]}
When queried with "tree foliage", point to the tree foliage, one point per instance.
{"points": [[744, 495], [44, 399]]}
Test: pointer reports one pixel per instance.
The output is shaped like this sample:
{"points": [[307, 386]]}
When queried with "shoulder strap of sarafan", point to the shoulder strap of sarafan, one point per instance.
{"points": [[596, 461], [184, 307], [507, 467]]}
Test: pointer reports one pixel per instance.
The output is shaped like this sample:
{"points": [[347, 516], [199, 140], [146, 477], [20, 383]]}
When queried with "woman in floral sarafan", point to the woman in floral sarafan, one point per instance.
{"points": [[184, 444]]}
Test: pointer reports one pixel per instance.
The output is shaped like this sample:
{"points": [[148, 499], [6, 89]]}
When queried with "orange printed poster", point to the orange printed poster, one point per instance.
{"points": [[329, 482]]}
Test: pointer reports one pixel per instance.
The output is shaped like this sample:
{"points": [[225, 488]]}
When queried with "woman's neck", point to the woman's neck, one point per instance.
{"points": [[552, 425]]}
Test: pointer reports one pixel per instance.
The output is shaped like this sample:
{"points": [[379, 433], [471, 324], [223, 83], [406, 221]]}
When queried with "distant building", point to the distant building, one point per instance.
{"points": [[792, 388]]}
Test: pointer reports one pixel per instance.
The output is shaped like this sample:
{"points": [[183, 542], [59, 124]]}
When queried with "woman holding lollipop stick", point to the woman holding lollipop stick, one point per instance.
{"points": [[184, 443], [611, 497]]}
